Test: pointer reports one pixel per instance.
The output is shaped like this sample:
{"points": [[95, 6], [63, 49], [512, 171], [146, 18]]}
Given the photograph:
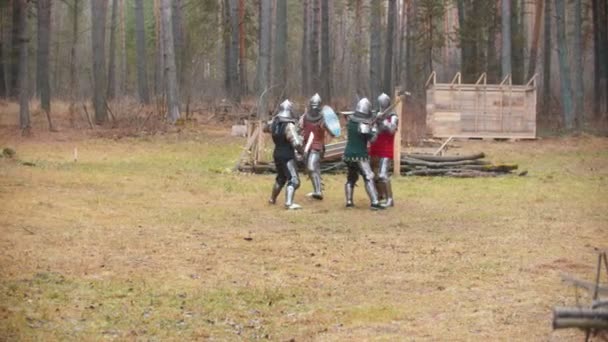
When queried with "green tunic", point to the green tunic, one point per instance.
{"points": [[356, 146]]}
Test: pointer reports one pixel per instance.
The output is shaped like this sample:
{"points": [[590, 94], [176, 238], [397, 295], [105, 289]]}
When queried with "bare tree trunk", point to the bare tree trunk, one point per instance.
{"points": [[178, 38], [305, 49], [5, 54], [326, 69], [538, 16], [359, 48], [15, 51], [124, 70], [73, 60], [560, 9], [242, 49], [112, 65], [547, 50], [517, 42], [492, 59], [280, 48], [388, 57], [226, 39], [24, 109], [314, 45], [140, 39], [375, 64], [172, 90], [235, 88], [98, 38], [578, 92], [159, 74], [264, 58], [42, 70], [597, 59], [506, 37]]}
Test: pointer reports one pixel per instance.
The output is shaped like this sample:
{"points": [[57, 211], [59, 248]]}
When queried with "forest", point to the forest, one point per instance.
{"points": [[182, 55]]}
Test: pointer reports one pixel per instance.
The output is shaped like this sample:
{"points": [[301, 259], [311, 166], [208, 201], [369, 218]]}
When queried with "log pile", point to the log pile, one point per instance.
{"points": [[465, 166]]}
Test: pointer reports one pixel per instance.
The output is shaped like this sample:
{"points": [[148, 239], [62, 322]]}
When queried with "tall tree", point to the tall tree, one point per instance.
{"points": [[124, 69], [172, 90], [280, 47], [375, 64], [15, 51], [140, 39], [159, 70], [359, 48], [326, 74], [547, 50], [388, 57], [600, 49], [42, 70], [24, 98], [538, 15], [5, 51], [518, 41], [73, 57], [264, 58], [506, 37], [242, 49], [235, 87], [578, 65], [305, 48], [98, 38], [112, 65], [564, 65], [227, 40], [314, 45], [179, 40]]}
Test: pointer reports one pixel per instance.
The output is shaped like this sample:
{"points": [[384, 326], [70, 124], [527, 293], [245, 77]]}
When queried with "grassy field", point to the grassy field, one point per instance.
{"points": [[153, 238]]}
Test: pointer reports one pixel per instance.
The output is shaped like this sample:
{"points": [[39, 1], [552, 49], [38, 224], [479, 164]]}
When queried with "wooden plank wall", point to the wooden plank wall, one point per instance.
{"points": [[481, 111]]}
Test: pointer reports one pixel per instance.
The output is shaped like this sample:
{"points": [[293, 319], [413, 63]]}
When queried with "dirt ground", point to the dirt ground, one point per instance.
{"points": [[154, 238]]}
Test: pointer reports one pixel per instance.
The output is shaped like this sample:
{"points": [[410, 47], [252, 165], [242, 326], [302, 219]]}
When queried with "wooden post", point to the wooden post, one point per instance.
{"points": [[397, 143], [259, 155]]}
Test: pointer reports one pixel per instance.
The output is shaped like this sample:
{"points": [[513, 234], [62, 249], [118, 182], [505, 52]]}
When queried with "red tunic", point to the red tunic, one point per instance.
{"points": [[319, 130], [383, 146]]}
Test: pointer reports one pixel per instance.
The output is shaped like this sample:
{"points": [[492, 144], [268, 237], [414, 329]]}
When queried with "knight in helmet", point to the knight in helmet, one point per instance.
{"points": [[361, 132], [381, 150], [312, 124], [287, 143]]}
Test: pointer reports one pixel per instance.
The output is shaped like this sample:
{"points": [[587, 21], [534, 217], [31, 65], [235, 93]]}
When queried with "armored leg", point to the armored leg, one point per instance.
{"points": [[351, 180], [280, 181], [292, 185], [384, 178], [313, 166], [375, 163], [366, 171]]}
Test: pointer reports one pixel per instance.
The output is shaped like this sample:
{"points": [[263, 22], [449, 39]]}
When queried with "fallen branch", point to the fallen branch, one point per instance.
{"points": [[440, 159]]}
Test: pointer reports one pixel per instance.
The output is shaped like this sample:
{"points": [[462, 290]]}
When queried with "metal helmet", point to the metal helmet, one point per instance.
{"points": [[314, 113], [383, 101], [286, 111], [315, 102], [363, 111]]}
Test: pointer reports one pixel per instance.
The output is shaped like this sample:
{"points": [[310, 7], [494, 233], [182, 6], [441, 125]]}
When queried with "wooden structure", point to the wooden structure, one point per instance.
{"points": [[481, 110], [593, 319]]}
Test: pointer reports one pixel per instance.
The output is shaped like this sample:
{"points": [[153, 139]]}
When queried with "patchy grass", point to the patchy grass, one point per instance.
{"points": [[152, 238]]}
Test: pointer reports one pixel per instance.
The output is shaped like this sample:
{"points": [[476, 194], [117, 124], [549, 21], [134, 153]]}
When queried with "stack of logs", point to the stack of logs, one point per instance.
{"points": [[411, 165]]}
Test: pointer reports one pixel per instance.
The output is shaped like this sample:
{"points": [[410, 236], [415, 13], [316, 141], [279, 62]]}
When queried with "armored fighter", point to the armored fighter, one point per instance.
{"points": [[360, 133], [381, 150], [313, 126], [287, 143]]}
